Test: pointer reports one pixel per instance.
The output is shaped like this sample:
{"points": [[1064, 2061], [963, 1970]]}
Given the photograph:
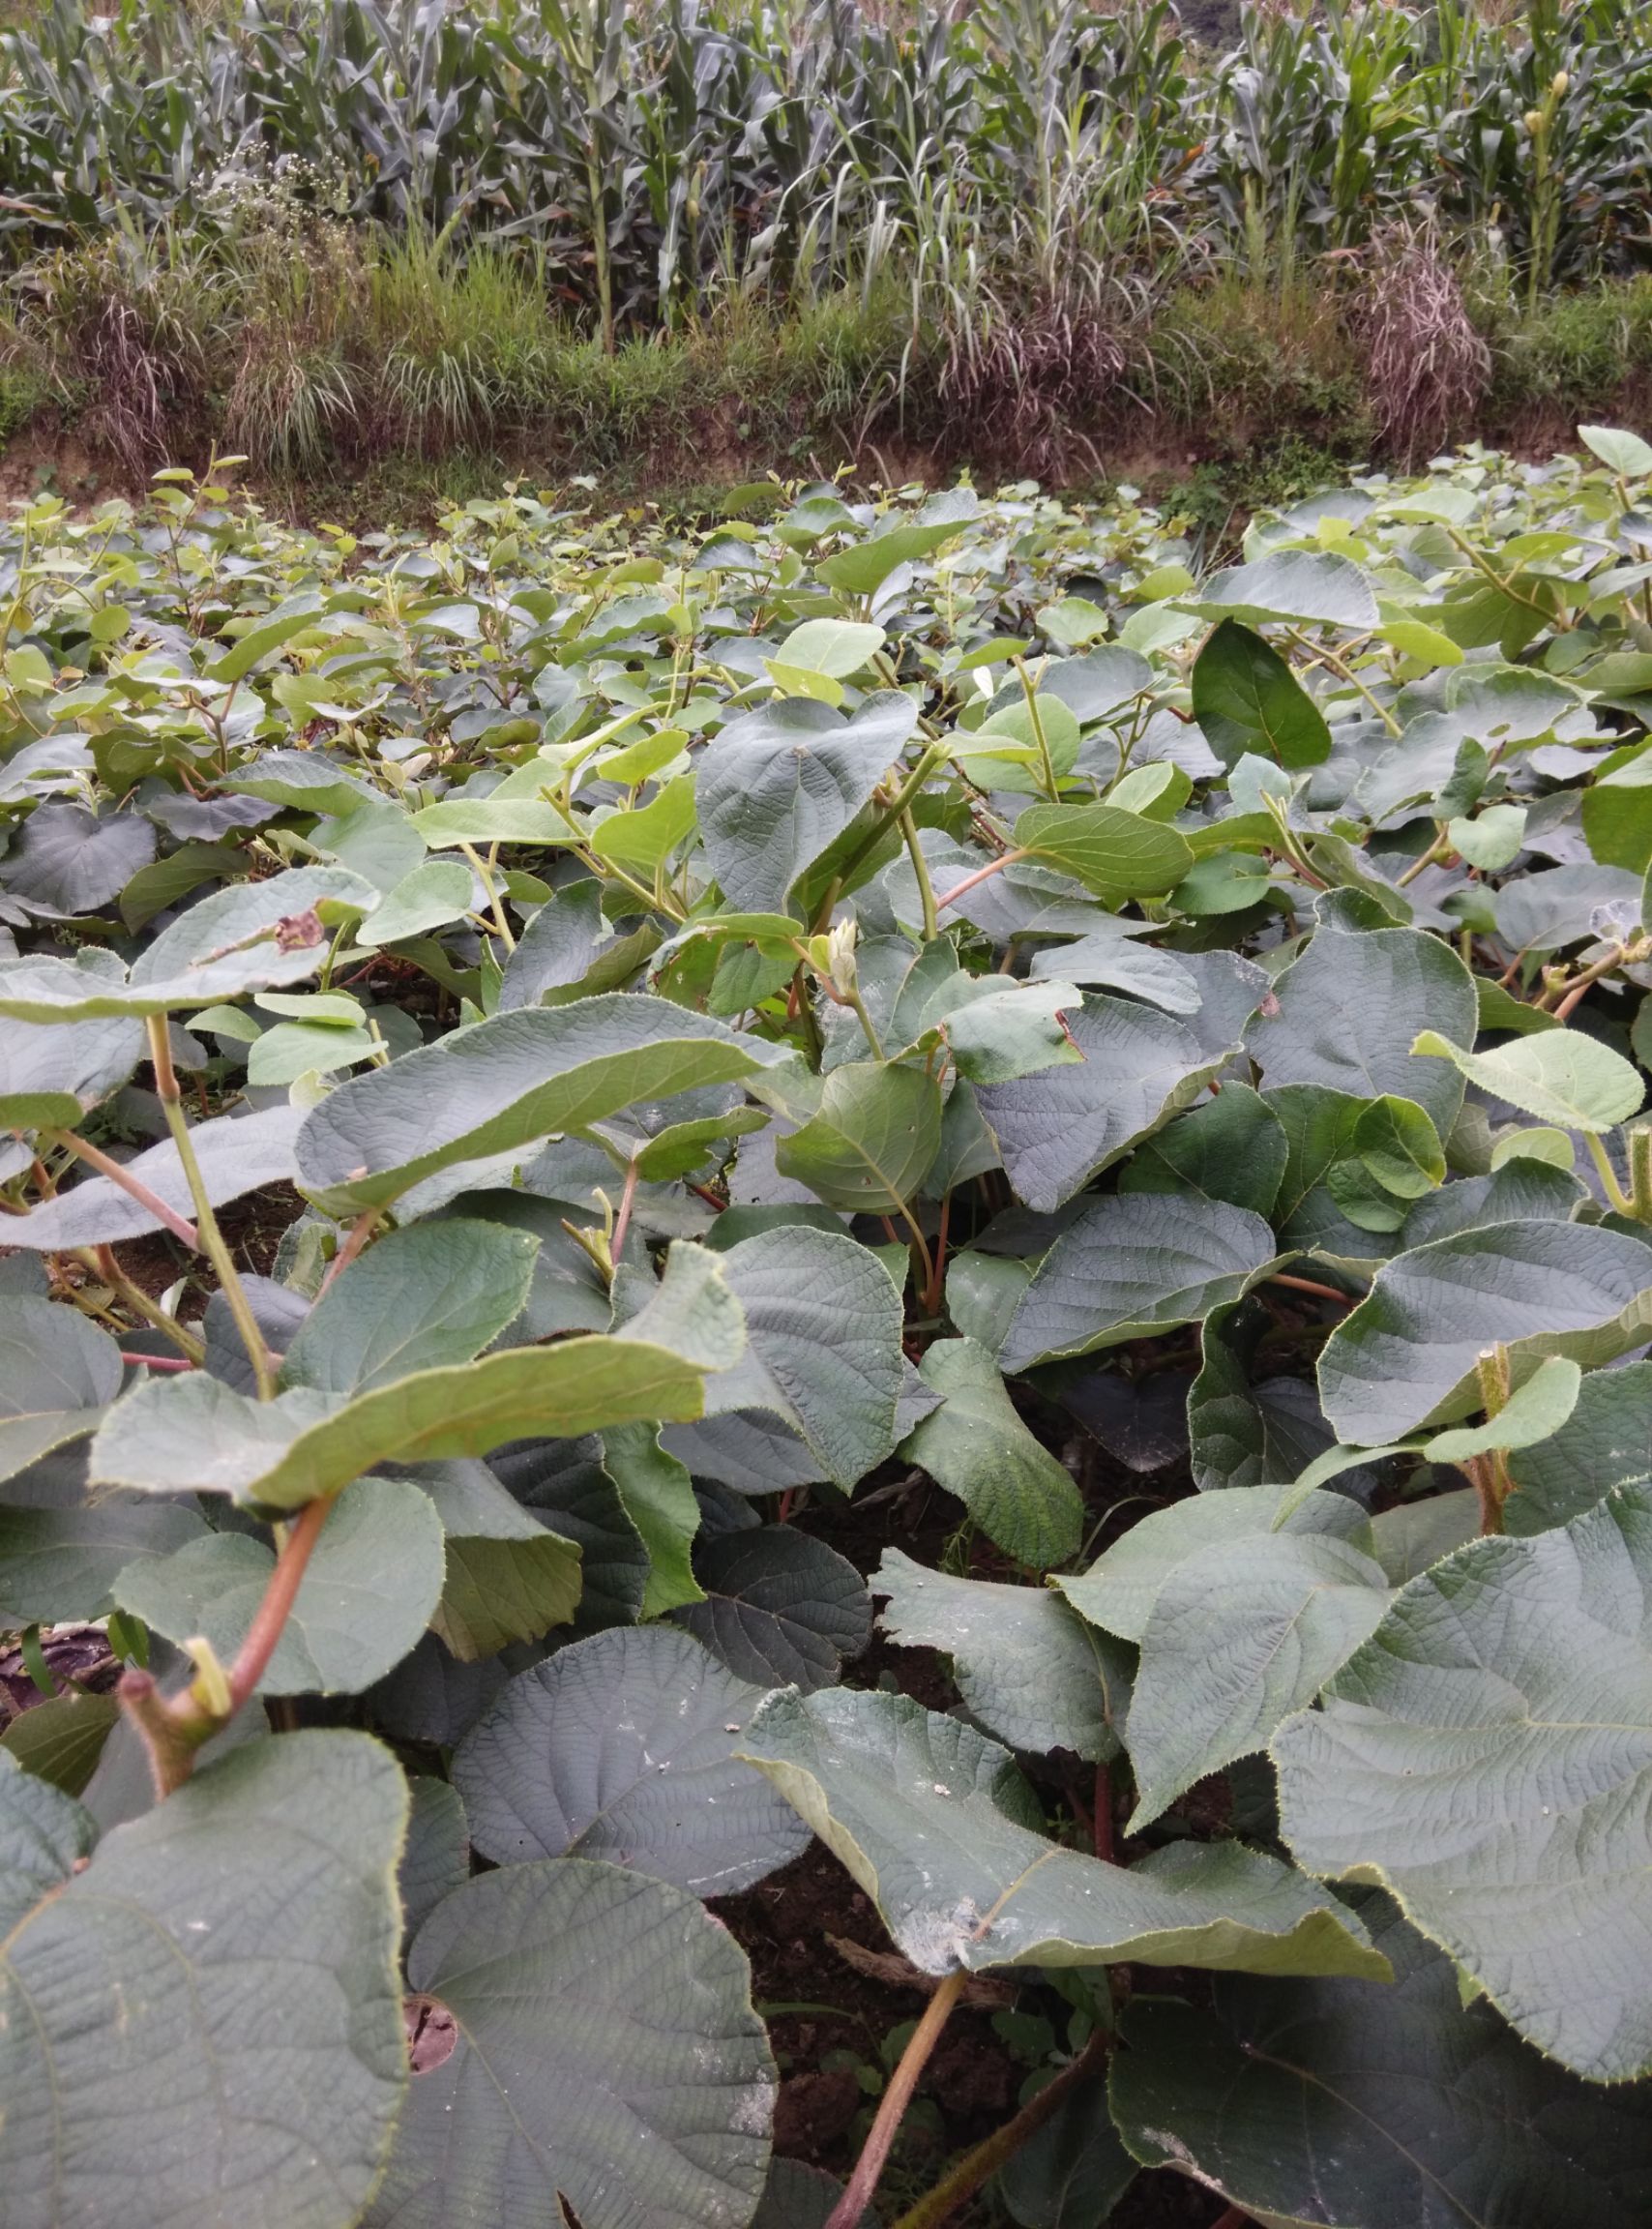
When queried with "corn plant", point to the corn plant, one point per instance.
{"points": [[656, 161]]}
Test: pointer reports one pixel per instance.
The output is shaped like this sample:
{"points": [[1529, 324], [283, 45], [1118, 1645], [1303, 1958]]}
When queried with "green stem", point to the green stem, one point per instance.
{"points": [[484, 872], [859, 1004], [921, 869], [921, 1244], [1047, 765], [102, 1262], [900, 803], [1437, 850], [1344, 671], [1616, 1197], [212, 1238], [1640, 1174]]}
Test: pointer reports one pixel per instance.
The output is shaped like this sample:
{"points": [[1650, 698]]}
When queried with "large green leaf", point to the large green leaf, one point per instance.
{"points": [[1336, 2104], [1240, 1634], [995, 1035], [658, 1496], [506, 1083], [931, 1819], [823, 1327], [237, 1154], [563, 1483], [1119, 1591], [871, 1144], [605, 2050], [251, 937], [504, 1577], [192, 1431], [1487, 1756], [217, 1995], [1534, 1412], [1309, 586], [864, 566], [780, 1608], [1114, 853], [1247, 699], [776, 787], [1616, 816], [1232, 1148], [58, 1372], [1406, 1356], [621, 1747], [1073, 2171], [1026, 1667], [68, 859], [435, 893], [1058, 1129], [435, 1859], [1346, 1014], [372, 1584], [62, 1548], [42, 1837], [423, 1299], [62, 1737], [1560, 1075], [53, 1074], [1127, 1267], [976, 1447], [1605, 1441]]}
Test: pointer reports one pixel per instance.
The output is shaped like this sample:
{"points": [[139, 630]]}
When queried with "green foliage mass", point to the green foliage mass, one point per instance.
{"points": [[861, 993], [326, 235]]}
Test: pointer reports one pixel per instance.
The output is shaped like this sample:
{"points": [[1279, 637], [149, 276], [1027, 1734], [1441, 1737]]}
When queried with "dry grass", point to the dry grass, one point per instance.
{"points": [[1030, 387], [1427, 370]]}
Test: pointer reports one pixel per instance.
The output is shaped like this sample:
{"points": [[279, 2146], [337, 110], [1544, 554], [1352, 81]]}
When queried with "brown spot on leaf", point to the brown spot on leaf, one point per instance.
{"points": [[433, 2033], [297, 932]]}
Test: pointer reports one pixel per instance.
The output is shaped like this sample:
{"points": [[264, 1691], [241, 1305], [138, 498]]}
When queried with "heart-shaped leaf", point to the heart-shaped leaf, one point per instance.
{"points": [[1605, 1441], [58, 1372], [1128, 1266], [871, 1144], [1339, 2101], [250, 937], [236, 1153], [1479, 1757], [506, 1083], [1026, 1667], [823, 1349], [1346, 1016], [594, 2040], [1560, 1075], [776, 787], [978, 1448], [280, 1859], [1058, 1129], [781, 1609], [1247, 699], [421, 1298], [1407, 1356], [932, 1820], [623, 1747], [1313, 587], [1114, 853], [367, 1591], [285, 1453], [1240, 1634]]}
